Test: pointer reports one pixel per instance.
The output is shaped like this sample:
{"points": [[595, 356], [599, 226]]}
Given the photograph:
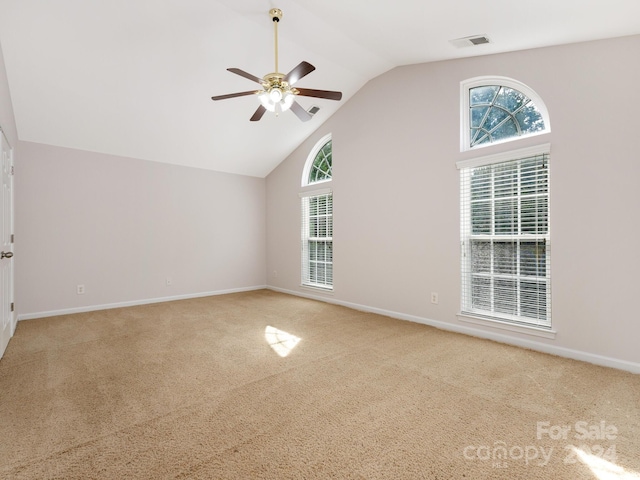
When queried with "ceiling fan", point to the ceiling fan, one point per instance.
{"points": [[277, 93]]}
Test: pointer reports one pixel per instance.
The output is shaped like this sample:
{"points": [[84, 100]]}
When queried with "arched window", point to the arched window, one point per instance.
{"points": [[317, 218], [505, 226], [498, 109], [319, 162]]}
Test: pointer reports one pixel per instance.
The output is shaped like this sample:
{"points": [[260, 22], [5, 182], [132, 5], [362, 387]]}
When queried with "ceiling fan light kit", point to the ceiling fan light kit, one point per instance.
{"points": [[278, 94]]}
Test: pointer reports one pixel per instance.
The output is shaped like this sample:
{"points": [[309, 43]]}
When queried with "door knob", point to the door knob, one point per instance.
{"points": [[6, 255]]}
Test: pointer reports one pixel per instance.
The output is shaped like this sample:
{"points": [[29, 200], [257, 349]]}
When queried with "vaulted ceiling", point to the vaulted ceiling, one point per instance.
{"points": [[135, 77]]}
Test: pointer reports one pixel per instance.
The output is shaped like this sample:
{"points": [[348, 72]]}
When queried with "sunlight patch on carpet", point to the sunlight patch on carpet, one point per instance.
{"points": [[280, 341], [604, 469]]}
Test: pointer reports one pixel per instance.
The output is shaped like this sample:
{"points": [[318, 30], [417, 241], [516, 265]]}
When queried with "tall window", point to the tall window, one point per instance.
{"points": [[505, 237], [496, 109], [317, 218]]}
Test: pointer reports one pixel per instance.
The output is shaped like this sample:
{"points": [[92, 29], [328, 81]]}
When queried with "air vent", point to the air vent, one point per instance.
{"points": [[479, 40], [470, 41], [313, 110]]}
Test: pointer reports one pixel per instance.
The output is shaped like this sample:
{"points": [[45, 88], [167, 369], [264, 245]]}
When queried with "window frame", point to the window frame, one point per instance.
{"points": [[465, 124], [322, 187], [489, 317], [306, 239]]}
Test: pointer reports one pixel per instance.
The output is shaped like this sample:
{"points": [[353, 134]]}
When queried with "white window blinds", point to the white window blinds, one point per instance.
{"points": [[505, 239], [317, 240]]}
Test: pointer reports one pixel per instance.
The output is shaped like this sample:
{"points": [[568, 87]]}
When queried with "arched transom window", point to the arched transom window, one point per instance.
{"points": [[498, 109], [318, 167], [321, 168]]}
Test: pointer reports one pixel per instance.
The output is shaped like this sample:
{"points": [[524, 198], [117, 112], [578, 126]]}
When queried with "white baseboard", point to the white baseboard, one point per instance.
{"points": [[476, 332], [93, 308]]}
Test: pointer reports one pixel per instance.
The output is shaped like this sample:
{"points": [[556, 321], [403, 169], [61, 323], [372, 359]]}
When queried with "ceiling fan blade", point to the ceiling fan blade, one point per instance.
{"points": [[300, 112], [302, 70], [328, 94], [244, 74], [258, 114], [233, 95]]}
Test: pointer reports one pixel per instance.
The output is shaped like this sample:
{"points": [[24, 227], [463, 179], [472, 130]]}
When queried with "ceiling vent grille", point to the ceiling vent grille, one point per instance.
{"points": [[470, 41]]}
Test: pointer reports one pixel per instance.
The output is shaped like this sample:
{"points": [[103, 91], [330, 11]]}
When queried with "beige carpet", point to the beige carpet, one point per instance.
{"points": [[192, 389]]}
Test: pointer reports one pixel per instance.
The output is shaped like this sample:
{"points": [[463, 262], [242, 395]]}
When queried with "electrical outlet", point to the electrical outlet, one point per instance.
{"points": [[169, 282], [80, 289], [434, 298], [275, 274]]}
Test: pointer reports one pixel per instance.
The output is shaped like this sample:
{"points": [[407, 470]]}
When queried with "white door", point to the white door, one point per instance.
{"points": [[7, 324]]}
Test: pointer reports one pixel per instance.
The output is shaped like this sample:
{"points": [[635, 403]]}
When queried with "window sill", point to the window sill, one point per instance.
{"points": [[527, 330], [317, 289]]}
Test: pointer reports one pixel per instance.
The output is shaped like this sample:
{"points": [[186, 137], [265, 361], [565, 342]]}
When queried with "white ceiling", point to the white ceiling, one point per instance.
{"points": [[134, 77]]}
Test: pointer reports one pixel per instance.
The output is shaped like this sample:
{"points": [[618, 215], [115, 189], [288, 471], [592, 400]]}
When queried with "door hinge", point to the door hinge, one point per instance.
{"points": [[12, 237], [12, 170], [12, 306]]}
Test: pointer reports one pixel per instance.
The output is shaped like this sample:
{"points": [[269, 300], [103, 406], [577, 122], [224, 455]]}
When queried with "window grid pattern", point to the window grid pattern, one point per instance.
{"points": [[498, 112], [317, 241], [505, 241], [321, 167]]}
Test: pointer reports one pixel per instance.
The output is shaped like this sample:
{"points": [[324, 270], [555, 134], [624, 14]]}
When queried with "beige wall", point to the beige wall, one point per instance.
{"points": [[121, 226], [7, 120], [396, 195]]}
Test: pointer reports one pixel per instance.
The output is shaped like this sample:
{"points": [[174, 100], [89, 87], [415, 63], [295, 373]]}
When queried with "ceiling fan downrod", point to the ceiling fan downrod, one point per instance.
{"points": [[276, 15]]}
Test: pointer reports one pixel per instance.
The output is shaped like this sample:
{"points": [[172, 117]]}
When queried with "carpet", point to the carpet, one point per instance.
{"points": [[264, 385]]}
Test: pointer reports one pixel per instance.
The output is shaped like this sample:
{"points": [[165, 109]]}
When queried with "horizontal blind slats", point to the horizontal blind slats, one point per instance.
{"points": [[317, 240], [505, 240]]}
